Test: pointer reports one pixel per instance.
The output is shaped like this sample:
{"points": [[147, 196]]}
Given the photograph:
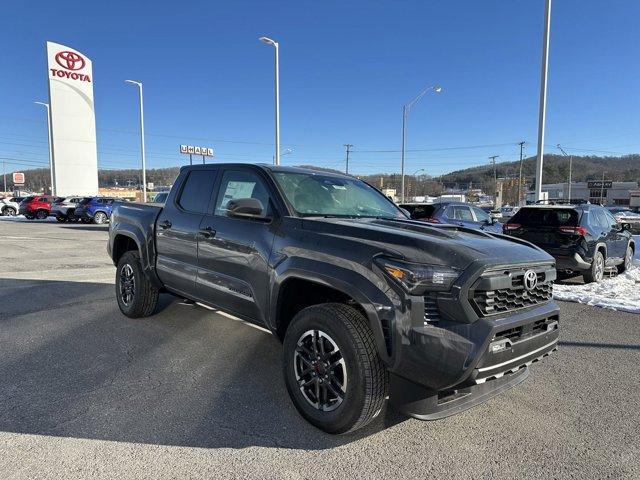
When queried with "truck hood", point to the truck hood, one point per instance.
{"points": [[445, 245]]}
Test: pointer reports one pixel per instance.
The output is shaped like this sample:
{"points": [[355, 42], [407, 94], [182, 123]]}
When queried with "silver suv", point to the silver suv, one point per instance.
{"points": [[64, 208]]}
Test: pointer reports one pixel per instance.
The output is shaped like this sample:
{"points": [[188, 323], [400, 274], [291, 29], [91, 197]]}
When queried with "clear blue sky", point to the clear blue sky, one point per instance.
{"points": [[346, 70]]}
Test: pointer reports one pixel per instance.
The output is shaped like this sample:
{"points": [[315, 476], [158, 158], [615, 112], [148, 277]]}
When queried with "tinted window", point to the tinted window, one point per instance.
{"points": [[481, 215], [552, 217], [419, 211], [459, 212], [240, 184], [610, 219], [600, 218], [197, 191]]}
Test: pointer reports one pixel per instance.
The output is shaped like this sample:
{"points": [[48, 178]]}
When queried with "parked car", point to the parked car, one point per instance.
{"points": [[630, 217], [10, 207], [455, 213], [508, 212], [584, 239], [36, 206], [366, 302], [64, 209], [95, 209]]}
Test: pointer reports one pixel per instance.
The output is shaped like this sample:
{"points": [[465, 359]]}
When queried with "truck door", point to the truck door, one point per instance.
{"points": [[177, 230], [233, 253]]}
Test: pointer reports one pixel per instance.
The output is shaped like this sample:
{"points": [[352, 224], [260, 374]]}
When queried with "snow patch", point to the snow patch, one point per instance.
{"points": [[22, 218], [621, 292]]}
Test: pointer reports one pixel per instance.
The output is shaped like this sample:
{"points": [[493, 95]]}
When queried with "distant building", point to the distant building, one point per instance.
{"points": [[609, 193]]}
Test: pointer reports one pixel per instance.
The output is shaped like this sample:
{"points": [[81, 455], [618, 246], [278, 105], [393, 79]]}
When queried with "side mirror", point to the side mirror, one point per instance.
{"points": [[625, 226], [245, 208]]}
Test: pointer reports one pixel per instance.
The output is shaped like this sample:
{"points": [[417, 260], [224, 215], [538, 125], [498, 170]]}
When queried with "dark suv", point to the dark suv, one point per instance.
{"points": [[454, 213], [584, 239]]}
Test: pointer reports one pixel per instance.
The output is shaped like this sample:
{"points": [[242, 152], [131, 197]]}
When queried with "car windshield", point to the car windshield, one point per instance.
{"points": [[85, 200], [316, 194], [552, 217]]}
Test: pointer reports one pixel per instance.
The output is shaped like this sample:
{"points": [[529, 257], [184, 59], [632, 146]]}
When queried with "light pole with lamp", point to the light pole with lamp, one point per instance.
{"points": [[144, 166], [276, 46], [405, 113], [46, 105]]}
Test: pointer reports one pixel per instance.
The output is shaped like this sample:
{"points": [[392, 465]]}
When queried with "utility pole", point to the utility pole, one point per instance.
{"points": [[348, 146], [570, 168], [4, 174], [543, 98], [602, 189], [495, 180], [520, 177]]}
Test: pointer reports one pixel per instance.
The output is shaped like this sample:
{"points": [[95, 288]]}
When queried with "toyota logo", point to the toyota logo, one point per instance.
{"points": [[530, 280], [70, 60]]}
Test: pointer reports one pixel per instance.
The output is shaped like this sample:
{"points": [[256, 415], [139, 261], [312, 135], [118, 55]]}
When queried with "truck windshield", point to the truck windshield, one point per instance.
{"points": [[315, 194]]}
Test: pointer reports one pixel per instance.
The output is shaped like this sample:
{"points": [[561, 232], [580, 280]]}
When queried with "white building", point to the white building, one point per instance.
{"points": [[609, 193]]}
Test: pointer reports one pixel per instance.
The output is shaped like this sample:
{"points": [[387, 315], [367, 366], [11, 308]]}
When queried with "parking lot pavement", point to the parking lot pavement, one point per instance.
{"points": [[189, 393]]}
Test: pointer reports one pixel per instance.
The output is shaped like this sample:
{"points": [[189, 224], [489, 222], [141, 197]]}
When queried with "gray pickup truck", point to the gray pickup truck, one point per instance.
{"points": [[368, 303]]}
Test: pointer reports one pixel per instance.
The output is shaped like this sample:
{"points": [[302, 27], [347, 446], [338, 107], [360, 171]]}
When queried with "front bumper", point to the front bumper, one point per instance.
{"points": [[455, 350]]}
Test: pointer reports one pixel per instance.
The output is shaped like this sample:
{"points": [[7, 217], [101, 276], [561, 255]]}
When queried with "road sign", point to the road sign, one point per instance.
{"points": [[193, 150], [18, 178]]}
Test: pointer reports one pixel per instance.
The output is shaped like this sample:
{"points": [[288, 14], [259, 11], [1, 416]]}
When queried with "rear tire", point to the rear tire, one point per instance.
{"points": [[596, 272], [628, 260], [42, 214], [136, 296], [344, 368], [9, 212], [99, 218]]}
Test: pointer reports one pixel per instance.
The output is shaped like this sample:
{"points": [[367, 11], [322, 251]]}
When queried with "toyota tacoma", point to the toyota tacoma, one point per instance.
{"points": [[368, 304]]}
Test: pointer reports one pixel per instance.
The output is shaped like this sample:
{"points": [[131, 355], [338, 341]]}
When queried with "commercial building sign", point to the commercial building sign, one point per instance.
{"points": [[599, 184], [193, 150], [18, 178], [73, 123]]}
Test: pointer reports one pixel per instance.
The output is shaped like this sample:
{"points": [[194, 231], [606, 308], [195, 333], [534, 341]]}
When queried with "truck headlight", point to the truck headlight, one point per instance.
{"points": [[417, 278]]}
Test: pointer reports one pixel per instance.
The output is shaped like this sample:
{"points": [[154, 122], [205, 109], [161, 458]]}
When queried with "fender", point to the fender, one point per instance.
{"points": [[144, 240], [369, 294]]}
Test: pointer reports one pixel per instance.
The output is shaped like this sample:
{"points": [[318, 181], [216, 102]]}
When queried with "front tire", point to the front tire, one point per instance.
{"points": [[42, 214], [332, 370], [137, 297], [596, 272], [9, 212], [628, 260]]}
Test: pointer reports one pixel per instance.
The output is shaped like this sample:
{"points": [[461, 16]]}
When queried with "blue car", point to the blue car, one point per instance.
{"points": [[454, 213], [95, 209]]}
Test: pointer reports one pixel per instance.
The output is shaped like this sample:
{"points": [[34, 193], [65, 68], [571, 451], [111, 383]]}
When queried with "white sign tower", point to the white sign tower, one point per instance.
{"points": [[73, 121]]}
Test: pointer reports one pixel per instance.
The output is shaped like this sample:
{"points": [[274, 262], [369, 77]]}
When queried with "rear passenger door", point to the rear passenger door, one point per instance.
{"points": [[461, 215], [616, 235], [177, 229]]}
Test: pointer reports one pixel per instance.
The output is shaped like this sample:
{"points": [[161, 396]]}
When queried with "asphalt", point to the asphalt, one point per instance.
{"points": [[190, 393]]}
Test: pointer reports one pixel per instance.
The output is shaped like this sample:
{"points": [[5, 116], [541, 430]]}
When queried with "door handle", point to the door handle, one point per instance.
{"points": [[166, 224], [208, 232]]}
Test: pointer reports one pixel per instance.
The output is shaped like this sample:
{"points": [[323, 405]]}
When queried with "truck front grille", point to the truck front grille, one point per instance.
{"points": [[431, 313], [501, 300]]}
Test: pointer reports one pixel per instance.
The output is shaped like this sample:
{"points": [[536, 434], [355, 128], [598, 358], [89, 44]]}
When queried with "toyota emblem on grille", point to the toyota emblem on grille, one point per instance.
{"points": [[530, 280]]}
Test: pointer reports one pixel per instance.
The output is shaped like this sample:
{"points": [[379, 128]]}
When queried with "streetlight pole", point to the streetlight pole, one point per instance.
{"points": [[276, 46], [602, 189], [495, 180], [543, 98], [570, 169], [144, 163], [46, 105], [520, 176], [405, 113]]}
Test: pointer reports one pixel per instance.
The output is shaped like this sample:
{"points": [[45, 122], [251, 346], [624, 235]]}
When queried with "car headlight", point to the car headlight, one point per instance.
{"points": [[417, 278]]}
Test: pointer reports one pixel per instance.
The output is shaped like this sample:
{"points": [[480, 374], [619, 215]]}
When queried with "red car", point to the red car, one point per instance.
{"points": [[38, 206]]}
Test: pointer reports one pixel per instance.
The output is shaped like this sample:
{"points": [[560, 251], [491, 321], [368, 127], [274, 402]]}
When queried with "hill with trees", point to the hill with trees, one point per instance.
{"points": [[556, 170]]}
